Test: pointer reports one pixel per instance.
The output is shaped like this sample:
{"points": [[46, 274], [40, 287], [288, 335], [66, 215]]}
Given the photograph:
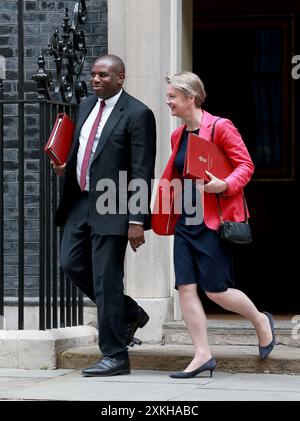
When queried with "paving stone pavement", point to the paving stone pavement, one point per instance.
{"points": [[145, 385]]}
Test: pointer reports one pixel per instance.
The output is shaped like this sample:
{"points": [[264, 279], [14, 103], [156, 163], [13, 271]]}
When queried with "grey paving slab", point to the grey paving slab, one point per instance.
{"points": [[10, 385], [259, 382], [74, 388], [14, 381], [69, 385], [18, 372], [201, 394]]}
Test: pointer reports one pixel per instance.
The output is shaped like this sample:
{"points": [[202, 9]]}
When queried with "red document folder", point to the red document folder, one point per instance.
{"points": [[202, 155], [60, 140]]}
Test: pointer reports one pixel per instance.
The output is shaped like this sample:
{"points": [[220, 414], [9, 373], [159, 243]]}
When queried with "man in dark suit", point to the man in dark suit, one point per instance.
{"points": [[115, 134]]}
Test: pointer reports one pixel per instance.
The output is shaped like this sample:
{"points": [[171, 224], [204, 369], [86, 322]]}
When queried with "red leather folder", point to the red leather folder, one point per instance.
{"points": [[60, 140], [202, 155]]}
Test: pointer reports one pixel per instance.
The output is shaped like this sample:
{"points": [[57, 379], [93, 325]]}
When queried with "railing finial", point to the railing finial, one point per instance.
{"points": [[69, 56], [43, 79]]}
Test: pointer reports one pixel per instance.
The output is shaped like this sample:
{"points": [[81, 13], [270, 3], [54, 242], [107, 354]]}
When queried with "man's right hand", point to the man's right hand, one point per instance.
{"points": [[59, 169]]}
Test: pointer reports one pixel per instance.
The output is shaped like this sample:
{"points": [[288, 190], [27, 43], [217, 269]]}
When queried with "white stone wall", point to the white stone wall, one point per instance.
{"points": [[149, 36]]}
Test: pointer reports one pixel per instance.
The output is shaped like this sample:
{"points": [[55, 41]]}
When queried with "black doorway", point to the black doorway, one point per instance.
{"points": [[244, 58]]}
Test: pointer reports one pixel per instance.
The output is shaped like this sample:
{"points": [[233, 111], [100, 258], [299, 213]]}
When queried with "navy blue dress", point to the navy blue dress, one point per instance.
{"points": [[200, 257]]}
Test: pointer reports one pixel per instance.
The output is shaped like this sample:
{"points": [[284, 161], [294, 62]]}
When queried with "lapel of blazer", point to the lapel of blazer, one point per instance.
{"points": [[206, 125], [177, 139], [112, 121], [86, 110]]}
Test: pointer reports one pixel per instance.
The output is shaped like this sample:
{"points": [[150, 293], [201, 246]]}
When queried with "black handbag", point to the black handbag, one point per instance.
{"points": [[235, 232]]}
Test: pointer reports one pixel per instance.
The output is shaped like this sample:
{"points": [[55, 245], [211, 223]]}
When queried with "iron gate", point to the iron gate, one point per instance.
{"points": [[32, 236]]}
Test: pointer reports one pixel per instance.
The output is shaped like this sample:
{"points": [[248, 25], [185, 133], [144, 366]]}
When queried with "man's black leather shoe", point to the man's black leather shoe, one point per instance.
{"points": [[108, 367], [140, 321]]}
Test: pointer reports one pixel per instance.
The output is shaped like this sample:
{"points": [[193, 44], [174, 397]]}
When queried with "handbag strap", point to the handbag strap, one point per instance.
{"points": [[213, 128], [220, 212], [218, 194]]}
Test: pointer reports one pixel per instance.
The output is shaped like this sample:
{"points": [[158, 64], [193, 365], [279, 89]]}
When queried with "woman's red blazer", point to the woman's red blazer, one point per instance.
{"points": [[229, 139]]}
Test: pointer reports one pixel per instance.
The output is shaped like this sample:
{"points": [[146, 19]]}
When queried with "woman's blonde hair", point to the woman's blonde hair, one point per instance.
{"points": [[189, 84]]}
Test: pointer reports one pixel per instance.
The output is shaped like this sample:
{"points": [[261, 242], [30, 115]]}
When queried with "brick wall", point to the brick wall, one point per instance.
{"points": [[41, 18]]}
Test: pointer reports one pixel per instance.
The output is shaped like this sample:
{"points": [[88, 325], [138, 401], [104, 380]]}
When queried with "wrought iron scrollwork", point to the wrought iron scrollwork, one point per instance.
{"points": [[69, 56]]}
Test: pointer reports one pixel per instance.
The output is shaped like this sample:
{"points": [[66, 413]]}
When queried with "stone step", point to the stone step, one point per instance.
{"points": [[235, 359], [232, 331]]}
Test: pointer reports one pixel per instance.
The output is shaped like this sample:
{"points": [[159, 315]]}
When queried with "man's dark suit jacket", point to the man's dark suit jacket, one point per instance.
{"points": [[127, 143]]}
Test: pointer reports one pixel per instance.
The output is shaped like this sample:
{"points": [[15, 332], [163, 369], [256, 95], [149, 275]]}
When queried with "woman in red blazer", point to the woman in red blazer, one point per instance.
{"points": [[201, 258]]}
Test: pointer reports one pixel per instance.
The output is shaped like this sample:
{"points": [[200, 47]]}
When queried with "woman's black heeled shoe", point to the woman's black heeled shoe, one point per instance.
{"points": [[264, 351], [210, 365]]}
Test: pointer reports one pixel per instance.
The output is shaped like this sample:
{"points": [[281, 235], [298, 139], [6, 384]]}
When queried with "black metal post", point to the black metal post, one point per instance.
{"points": [[62, 293], [80, 308], [21, 165], [54, 194], [47, 228], [21, 218], [1, 207], [74, 305], [68, 302], [42, 204]]}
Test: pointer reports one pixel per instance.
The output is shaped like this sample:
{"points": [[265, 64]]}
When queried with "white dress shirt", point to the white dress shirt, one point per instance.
{"points": [[85, 132]]}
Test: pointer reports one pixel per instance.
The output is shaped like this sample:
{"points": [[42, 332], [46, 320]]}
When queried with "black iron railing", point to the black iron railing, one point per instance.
{"points": [[55, 292], [60, 304]]}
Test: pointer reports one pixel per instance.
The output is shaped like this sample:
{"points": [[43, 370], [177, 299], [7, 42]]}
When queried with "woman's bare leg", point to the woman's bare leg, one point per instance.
{"points": [[238, 302], [195, 320]]}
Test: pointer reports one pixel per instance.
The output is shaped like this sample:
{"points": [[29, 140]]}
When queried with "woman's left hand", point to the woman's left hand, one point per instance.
{"points": [[215, 185]]}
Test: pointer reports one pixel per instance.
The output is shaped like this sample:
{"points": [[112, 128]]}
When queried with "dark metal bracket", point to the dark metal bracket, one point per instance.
{"points": [[68, 54]]}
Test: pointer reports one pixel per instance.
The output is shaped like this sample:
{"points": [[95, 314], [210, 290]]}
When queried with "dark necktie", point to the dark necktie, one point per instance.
{"points": [[89, 146]]}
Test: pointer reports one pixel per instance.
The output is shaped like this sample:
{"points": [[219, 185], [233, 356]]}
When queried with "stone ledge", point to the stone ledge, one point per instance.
{"points": [[234, 331], [38, 349], [235, 359]]}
